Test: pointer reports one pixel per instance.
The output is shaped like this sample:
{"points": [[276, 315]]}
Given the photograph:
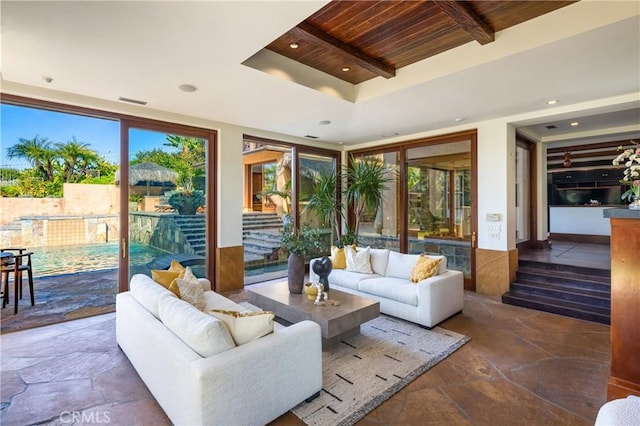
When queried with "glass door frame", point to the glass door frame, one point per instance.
{"points": [[403, 204], [531, 213], [126, 124]]}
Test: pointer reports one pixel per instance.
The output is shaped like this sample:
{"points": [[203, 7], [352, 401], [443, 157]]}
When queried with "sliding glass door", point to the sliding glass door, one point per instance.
{"points": [[168, 199]]}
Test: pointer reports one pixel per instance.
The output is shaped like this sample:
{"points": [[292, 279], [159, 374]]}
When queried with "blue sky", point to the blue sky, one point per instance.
{"points": [[102, 135]]}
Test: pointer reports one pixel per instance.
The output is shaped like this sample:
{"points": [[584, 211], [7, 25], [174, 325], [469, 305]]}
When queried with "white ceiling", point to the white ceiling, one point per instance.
{"points": [[145, 50]]}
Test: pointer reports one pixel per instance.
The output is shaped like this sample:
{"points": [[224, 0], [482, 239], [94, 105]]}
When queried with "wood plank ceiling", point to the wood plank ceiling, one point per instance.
{"points": [[356, 41]]}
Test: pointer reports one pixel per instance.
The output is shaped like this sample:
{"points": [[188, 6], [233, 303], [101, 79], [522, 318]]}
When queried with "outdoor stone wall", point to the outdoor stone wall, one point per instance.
{"points": [[158, 230]]}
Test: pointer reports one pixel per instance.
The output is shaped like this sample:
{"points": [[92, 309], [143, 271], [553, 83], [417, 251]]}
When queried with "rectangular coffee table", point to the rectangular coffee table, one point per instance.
{"points": [[336, 322]]}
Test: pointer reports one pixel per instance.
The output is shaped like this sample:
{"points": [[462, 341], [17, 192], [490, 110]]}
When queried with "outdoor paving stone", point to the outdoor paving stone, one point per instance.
{"points": [[115, 384]]}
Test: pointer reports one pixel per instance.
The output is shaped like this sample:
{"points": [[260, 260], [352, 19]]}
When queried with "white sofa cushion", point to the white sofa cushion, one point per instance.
{"points": [[205, 334], [358, 260], [347, 279], [400, 265], [148, 292], [397, 289], [379, 260]]}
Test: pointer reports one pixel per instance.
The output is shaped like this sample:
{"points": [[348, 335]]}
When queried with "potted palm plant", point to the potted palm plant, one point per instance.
{"points": [[298, 242], [367, 180]]}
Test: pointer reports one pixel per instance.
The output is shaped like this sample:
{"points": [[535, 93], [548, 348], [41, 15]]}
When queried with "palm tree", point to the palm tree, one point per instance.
{"points": [[367, 180], [76, 159], [38, 152]]}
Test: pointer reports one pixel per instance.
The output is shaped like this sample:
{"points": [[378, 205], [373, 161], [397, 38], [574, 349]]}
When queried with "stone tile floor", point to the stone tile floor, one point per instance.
{"points": [[520, 367]]}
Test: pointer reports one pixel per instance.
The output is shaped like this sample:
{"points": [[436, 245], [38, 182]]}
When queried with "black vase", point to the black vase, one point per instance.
{"points": [[322, 267], [295, 271]]}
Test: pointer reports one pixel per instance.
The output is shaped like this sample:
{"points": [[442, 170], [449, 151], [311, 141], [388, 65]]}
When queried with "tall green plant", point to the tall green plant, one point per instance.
{"points": [[324, 201], [367, 180]]}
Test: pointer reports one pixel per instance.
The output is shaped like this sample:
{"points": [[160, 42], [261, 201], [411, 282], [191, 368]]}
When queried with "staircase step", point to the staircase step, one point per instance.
{"points": [[594, 273], [565, 279], [565, 308], [584, 296]]}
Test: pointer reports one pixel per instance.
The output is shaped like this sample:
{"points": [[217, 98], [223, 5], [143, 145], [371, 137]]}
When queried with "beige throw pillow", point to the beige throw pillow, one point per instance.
{"points": [[189, 289], [246, 326], [358, 261]]}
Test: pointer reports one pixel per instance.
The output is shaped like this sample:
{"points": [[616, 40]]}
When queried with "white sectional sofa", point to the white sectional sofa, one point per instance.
{"points": [[198, 375], [427, 302]]}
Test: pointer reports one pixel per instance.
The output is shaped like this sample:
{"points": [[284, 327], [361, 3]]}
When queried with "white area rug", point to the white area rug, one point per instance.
{"points": [[366, 370]]}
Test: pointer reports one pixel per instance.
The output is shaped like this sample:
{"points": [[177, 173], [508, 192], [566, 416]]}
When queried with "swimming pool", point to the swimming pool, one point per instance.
{"points": [[57, 260]]}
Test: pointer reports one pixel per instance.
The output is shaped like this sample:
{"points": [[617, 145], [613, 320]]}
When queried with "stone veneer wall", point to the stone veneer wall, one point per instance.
{"points": [[458, 252], [158, 230]]}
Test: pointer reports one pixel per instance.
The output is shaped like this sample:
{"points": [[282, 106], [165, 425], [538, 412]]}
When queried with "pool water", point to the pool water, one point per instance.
{"points": [[57, 260]]}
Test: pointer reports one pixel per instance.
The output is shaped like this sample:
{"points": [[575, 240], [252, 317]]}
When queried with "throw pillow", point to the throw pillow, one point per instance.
{"points": [[246, 326], [165, 277], [176, 266], [425, 267], [189, 289], [358, 261], [338, 260]]}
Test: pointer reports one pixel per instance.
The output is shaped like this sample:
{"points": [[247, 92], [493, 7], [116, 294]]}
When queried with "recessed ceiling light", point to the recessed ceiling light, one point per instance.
{"points": [[552, 102], [294, 45], [459, 119], [47, 79], [325, 122], [346, 69], [575, 123], [187, 88]]}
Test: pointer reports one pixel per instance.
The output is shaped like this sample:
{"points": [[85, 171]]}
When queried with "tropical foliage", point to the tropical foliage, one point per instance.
{"points": [[53, 164], [367, 180], [187, 159], [300, 241]]}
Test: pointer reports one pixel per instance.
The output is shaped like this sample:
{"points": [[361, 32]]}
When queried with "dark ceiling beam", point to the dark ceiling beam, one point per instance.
{"points": [[468, 20], [310, 33]]}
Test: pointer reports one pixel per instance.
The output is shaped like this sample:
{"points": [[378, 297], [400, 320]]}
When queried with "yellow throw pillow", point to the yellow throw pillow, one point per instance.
{"points": [[424, 268], [338, 261], [176, 266], [164, 277], [245, 326]]}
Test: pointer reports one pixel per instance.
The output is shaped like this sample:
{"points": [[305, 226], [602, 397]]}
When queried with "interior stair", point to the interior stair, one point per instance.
{"points": [[572, 291]]}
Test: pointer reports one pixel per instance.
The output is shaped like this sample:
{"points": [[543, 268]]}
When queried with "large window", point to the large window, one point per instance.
{"points": [[428, 204], [280, 181]]}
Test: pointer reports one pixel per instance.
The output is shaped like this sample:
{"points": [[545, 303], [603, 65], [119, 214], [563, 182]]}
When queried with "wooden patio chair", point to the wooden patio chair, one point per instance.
{"points": [[16, 261]]}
